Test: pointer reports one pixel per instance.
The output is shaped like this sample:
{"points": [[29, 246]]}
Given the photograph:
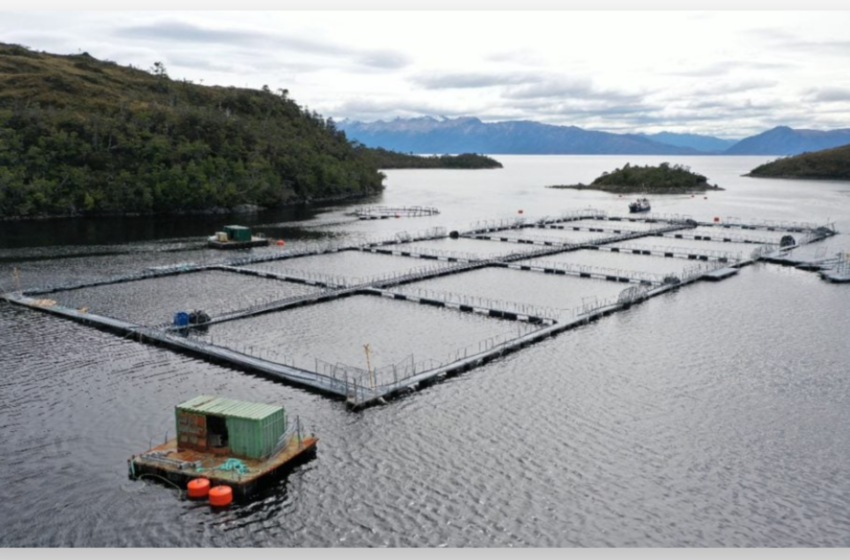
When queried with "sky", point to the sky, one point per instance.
{"points": [[728, 74]]}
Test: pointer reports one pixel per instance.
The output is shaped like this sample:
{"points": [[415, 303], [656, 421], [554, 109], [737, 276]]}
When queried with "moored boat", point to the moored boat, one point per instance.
{"points": [[639, 205]]}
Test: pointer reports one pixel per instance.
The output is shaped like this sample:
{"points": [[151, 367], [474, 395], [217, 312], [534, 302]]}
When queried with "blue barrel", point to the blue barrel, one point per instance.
{"points": [[181, 319]]}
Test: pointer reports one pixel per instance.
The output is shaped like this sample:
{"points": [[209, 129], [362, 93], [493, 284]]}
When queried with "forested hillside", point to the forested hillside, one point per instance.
{"points": [[79, 136], [826, 164], [386, 159]]}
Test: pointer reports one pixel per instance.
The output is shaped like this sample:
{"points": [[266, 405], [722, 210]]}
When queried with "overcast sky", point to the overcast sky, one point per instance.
{"points": [[729, 74]]}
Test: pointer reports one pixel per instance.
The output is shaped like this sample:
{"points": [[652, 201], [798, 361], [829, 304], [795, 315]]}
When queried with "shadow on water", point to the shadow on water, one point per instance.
{"points": [[115, 230]]}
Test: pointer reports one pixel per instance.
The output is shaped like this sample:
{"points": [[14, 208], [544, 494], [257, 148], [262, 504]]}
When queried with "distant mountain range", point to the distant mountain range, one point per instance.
{"points": [[427, 135], [706, 144], [784, 141]]}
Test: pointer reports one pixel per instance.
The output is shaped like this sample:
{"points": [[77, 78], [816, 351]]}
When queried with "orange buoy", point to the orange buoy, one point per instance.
{"points": [[281, 242], [198, 488], [716, 219], [221, 496]]}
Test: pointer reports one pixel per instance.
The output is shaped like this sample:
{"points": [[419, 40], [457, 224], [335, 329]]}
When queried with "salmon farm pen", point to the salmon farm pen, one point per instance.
{"points": [[495, 288]]}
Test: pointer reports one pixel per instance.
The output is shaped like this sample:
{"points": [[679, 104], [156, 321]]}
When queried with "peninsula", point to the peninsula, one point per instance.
{"points": [[386, 159], [832, 164]]}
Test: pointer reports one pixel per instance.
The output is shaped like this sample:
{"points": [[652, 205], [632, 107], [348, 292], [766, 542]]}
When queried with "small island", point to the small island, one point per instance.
{"points": [[649, 179], [832, 164], [387, 159]]}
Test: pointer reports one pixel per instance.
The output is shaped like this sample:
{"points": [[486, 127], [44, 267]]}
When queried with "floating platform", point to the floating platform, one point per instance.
{"points": [[721, 274], [181, 466], [254, 242], [837, 276], [234, 443]]}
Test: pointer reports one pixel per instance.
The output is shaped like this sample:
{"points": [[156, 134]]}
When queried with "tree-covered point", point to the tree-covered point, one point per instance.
{"points": [[832, 164], [651, 179], [79, 136], [386, 159]]}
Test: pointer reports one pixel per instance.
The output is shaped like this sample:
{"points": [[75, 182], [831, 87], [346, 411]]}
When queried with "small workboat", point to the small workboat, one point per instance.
{"points": [[639, 205]]}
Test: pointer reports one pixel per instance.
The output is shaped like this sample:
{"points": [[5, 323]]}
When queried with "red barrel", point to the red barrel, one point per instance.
{"points": [[198, 488], [221, 496]]}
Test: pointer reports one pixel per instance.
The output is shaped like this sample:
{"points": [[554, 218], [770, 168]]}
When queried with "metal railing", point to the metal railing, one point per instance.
{"points": [[664, 250], [379, 212], [574, 215], [588, 271], [477, 302]]}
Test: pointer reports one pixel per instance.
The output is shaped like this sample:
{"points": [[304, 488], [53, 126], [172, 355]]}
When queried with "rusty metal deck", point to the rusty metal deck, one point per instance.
{"points": [[183, 465]]}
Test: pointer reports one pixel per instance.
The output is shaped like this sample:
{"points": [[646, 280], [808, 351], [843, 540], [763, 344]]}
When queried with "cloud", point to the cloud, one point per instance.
{"points": [[575, 89], [389, 60], [727, 67], [728, 87], [182, 32], [525, 57], [558, 87], [789, 41], [829, 95], [373, 109], [471, 80], [715, 69]]}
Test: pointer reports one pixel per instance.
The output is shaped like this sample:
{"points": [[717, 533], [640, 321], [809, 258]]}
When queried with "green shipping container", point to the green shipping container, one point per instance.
{"points": [[238, 233], [250, 430]]}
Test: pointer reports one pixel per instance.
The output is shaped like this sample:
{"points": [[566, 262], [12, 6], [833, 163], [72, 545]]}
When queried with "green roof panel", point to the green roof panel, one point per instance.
{"points": [[206, 404]]}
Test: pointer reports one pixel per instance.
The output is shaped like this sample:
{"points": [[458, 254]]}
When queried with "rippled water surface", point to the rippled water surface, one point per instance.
{"points": [[710, 416]]}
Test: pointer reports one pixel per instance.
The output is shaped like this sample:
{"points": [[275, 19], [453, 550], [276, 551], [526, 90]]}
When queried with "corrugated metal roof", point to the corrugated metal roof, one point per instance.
{"points": [[206, 404]]}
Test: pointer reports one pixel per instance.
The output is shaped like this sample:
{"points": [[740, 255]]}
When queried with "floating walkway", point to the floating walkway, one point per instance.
{"points": [[359, 387], [584, 271], [471, 304], [387, 212], [672, 252], [560, 242]]}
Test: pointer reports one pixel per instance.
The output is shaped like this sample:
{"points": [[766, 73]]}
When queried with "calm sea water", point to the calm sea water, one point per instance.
{"points": [[712, 416]]}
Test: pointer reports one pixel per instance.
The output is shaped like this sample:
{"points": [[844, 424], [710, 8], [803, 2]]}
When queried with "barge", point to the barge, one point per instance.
{"points": [[239, 444], [236, 237]]}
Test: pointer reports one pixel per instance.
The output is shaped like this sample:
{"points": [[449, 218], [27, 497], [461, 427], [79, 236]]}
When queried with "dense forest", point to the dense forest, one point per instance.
{"points": [[386, 159], [650, 179], [79, 136], [826, 164]]}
